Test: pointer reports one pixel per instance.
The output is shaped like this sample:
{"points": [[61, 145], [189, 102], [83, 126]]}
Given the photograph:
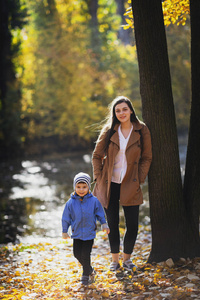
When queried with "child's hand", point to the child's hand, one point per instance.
{"points": [[107, 230], [65, 235]]}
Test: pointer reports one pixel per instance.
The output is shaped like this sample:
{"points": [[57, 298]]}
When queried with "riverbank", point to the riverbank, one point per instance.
{"points": [[46, 269]]}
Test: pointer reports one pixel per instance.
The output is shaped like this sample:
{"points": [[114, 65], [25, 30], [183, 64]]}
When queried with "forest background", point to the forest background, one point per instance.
{"points": [[63, 62]]}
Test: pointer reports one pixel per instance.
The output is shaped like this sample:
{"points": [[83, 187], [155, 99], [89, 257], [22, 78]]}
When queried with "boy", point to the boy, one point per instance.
{"points": [[81, 212]]}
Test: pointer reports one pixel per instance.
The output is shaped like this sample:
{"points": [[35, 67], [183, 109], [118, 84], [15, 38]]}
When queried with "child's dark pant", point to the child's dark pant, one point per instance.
{"points": [[131, 214], [82, 251]]}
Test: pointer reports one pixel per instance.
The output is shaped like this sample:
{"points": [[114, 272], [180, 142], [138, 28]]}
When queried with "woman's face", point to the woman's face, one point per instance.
{"points": [[123, 112]]}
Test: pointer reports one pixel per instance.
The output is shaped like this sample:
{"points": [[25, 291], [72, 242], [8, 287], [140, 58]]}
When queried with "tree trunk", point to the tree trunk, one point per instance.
{"points": [[92, 8], [192, 173], [124, 35], [5, 41], [10, 124], [168, 219]]}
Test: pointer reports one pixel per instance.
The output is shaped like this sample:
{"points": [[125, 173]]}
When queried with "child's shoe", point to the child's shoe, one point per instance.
{"points": [[129, 266], [92, 276], [85, 280]]}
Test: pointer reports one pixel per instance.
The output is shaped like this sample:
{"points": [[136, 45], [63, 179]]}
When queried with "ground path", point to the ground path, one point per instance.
{"points": [[46, 269]]}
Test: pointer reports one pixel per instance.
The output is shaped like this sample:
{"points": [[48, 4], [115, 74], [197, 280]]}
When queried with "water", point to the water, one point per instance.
{"points": [[33, 194]]}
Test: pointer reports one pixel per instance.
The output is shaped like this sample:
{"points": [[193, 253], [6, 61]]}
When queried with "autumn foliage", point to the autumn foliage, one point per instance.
{"points": [[174, 12], [48, 270], [64, 72]]}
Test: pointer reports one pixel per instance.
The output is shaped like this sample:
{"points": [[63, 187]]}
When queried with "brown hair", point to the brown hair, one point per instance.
{"points": [[111, 119]]}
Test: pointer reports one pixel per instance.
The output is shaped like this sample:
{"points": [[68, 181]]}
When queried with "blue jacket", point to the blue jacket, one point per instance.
{"points": [[81, 215]]}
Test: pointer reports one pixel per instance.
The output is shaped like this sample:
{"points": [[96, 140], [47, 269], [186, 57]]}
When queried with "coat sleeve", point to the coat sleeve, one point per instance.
{"points": [[146, 154], [98, 155], [99, 211], [66, 218]]}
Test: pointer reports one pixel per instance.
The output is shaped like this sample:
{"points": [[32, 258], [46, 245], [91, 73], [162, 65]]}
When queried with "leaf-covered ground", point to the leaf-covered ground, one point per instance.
{"points": [[48, 270]]}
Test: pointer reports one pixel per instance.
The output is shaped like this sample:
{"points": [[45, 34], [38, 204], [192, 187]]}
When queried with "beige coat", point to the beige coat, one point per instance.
{"points": [[138, 155]]}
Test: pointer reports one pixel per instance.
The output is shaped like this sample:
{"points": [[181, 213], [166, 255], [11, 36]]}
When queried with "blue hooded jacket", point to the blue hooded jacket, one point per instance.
{"points": [[81, 215]]}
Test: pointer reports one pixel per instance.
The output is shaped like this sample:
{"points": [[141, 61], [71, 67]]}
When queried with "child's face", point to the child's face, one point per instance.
{"points": [[81, 189]]}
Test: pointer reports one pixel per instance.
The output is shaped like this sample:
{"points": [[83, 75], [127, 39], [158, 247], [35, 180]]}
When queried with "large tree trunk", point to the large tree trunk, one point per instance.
{"points": [[168, 219], [10, 124], [6, 73], [192, 173]]}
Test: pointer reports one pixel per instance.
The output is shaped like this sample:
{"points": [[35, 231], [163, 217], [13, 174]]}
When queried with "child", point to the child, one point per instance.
{"points": [[81, 212]]}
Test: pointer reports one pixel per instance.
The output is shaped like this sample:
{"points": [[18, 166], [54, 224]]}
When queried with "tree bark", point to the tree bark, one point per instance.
{"points": [[168, 218], [192, 173], [10, 123], [5, 41], [92, 8], [124, 35]]}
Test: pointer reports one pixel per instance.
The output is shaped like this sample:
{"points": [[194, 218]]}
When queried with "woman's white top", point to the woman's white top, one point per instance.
{"points": [[120, 163]]}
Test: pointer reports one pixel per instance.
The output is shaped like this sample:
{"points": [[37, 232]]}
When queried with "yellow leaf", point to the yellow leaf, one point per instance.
{"points": [[129, 22], [105, 294], [17, 273], [126, 26]]}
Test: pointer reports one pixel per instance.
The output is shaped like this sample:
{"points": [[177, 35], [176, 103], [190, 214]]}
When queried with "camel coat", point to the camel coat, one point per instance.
{"points": [[138, 155]]}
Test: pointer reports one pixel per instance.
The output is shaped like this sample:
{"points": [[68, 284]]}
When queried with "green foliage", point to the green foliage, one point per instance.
{"points": [[67, 84], [66, 73]]}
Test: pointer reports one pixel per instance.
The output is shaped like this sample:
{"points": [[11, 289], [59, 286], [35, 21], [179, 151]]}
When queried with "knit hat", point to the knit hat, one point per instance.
{"points": [[82, 177]]}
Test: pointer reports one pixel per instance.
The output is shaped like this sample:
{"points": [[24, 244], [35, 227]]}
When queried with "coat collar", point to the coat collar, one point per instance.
{"points": [[135, 135]]}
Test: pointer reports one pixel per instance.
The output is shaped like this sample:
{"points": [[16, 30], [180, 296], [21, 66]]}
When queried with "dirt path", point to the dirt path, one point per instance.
{"points": [[48, 270]]}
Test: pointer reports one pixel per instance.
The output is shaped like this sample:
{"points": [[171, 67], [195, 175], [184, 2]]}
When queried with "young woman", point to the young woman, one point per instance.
{"points": [[121, 161]]}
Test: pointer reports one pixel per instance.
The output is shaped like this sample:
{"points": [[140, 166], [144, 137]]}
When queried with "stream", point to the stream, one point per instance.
{"points": [[33, 193]]}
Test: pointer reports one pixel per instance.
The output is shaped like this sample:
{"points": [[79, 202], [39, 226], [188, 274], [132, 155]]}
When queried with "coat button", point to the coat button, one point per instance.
{"points": [[134, 179]]}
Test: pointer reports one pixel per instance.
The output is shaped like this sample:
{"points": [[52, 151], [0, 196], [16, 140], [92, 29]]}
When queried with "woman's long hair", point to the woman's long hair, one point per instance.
{"points": [[111, 119]]}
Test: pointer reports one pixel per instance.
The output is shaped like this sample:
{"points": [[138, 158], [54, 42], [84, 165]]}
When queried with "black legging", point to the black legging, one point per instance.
{"points": [[82, 250], [131, 214]]}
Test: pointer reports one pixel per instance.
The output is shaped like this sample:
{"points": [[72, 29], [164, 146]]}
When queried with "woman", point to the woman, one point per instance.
{"points": [[121, 161]]}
